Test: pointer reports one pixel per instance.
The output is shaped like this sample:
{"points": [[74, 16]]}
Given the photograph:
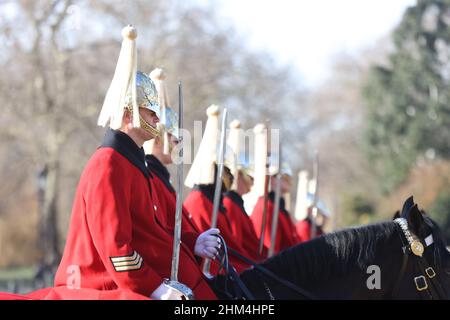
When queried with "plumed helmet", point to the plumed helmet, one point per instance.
{"points": [[129, 89]]}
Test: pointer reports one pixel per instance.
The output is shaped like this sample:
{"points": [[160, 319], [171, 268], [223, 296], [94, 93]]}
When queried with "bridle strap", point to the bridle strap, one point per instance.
{"points": [[422, 267], [235, 276], [436, 289], [231, 273]]}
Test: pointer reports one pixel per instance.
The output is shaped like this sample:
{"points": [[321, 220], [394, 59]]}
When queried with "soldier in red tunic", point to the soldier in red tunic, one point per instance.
{"points": [[116, 240], [304, 226], [286, 235], [157, 161], [201, 178], [241, 224]]}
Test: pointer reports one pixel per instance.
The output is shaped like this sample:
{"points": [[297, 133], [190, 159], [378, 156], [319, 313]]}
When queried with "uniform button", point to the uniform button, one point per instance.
{"points": [[155, 207]]}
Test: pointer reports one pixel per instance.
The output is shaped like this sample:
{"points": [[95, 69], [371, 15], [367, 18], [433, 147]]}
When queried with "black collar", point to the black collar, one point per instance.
{"points": [[282, 202], [237, 199], [155, 166], [208, 191], [124, 145]]}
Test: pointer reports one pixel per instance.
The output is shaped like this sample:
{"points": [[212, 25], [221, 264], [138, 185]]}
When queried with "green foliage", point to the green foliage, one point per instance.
{"points": [[357, 210], [440, 212], [361, 205], [408, 100]]}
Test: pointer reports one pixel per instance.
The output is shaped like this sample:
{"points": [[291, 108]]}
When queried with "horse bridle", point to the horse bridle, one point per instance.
{"points": [[427, 281], [231, 273]]}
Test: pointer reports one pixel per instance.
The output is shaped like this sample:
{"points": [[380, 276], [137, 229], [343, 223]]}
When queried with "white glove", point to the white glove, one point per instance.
{"points": [[165, 292], [207, 244]]}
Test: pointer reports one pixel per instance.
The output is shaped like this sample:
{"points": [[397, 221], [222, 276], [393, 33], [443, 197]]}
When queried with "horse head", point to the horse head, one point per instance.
{"points": [[425, 271]]}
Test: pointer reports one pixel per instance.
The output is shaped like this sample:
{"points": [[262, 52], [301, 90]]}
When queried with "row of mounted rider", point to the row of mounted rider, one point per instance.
{"points": [[131, 237]]}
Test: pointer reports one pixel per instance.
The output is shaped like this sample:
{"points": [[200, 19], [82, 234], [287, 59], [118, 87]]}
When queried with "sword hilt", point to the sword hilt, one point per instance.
{"points": [[184, 292]]}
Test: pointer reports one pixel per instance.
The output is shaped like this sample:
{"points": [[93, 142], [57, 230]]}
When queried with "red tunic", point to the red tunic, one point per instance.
{"points": [[12, 296], [286, 233], [167, 198], [199, 203], [241, 225], [115, 240], [304, 230], [69, 293]]}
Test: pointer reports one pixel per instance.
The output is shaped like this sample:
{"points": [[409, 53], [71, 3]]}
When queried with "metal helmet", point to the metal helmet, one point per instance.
{"points": [[146, 94], [320, 205], [245, 166], [172, 122], [275, 168]]}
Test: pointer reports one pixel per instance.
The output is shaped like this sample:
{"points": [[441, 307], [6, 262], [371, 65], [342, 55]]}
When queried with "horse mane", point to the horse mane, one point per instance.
{"points": [[333, 254]]}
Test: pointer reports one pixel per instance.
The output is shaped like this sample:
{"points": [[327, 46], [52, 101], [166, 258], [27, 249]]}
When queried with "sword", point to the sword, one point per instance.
{"points": [[218, 186], [173, 283], [276, 207], [179, 199], [315, 195], [266, 192]]}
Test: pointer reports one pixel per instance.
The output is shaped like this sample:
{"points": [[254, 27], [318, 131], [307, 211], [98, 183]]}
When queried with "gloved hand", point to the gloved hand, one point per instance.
{"points": [[165, 292], [207, 244]]}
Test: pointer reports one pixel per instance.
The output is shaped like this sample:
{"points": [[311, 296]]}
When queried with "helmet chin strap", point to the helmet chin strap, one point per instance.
{"points": [[149, 128], [146, 126]]}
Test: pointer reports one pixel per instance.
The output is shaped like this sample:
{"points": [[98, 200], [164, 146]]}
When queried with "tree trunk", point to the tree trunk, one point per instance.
{"points": [[48, 220]]}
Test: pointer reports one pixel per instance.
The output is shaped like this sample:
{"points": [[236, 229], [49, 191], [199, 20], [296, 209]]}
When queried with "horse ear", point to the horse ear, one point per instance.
{"points": [[407, 206], [396, 215], [416, 222]]}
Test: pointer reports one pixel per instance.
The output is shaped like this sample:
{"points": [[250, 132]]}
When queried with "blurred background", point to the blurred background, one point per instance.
{"points": [[366, 83]]}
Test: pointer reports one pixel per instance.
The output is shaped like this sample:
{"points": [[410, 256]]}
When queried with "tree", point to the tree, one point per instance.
{"points": [[408, 99], [334, 117], [47, 62], [440, 212]]}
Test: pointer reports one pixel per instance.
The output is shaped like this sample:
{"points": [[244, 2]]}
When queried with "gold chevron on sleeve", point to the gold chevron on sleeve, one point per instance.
{"points": [[130, 257], [127, 263]]}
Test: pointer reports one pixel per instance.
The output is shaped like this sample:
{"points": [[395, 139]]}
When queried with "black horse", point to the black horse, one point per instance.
{"points": [[369, 262]]}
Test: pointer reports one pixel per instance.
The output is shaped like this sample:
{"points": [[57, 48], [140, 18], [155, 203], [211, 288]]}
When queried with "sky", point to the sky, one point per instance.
{"points": [[309, 33]]}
